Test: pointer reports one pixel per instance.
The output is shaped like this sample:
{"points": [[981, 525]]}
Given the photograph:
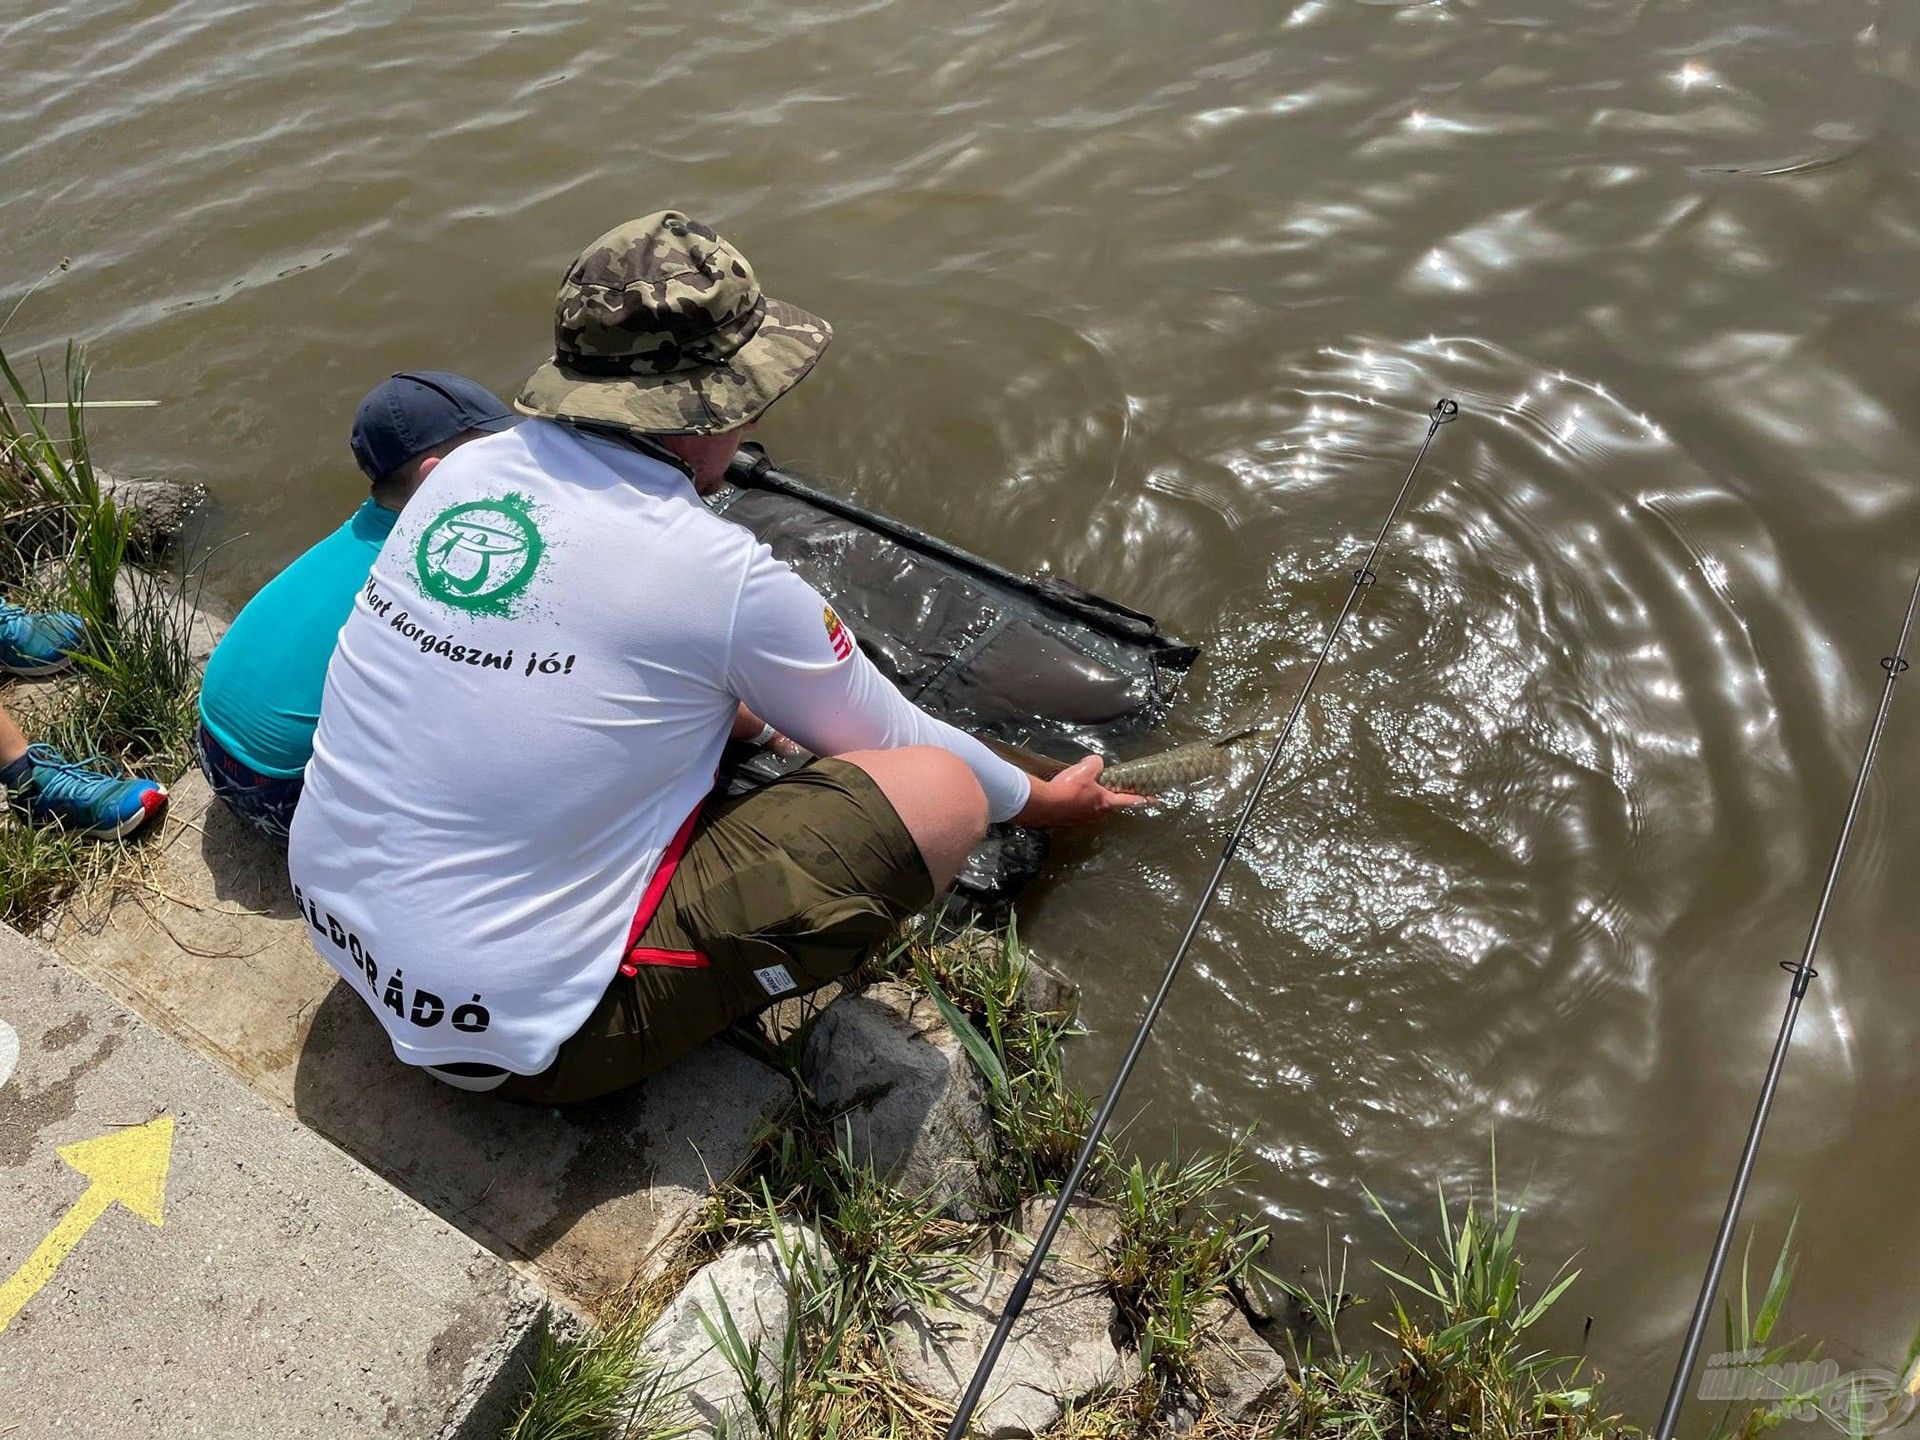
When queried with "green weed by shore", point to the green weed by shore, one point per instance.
{"points": [[65, 544]]}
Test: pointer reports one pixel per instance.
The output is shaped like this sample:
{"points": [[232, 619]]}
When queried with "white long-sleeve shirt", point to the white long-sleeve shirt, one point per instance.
{"points": [[528, 700]]}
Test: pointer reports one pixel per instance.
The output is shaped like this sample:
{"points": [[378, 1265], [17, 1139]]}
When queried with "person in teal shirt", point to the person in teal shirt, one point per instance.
{"points": [[260, 699]]}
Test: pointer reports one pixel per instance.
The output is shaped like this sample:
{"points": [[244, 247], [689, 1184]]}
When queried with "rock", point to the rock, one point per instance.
{"points": [[1241, 1373], [787, 1020], [161, 509], [1264, 1307], [1061, 1349], [1178, 1412], [914, 1104], [1043, 991], [205, 629], [685, 1379]]}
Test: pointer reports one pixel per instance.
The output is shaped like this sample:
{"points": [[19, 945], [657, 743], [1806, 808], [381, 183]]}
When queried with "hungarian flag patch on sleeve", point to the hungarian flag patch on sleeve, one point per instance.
{"points": [[838, 635]]}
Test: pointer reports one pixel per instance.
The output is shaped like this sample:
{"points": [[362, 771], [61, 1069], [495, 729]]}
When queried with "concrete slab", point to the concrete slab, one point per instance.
{"points": [[208, 945], [178, 1258]]}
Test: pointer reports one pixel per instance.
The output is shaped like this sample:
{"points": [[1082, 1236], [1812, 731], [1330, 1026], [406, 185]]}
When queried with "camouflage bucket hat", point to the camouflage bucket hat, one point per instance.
{"points": [[661, 328]]}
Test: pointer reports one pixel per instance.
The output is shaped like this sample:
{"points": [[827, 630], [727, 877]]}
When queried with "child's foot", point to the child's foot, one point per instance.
{"points": [[38, 644], [53, 790]]}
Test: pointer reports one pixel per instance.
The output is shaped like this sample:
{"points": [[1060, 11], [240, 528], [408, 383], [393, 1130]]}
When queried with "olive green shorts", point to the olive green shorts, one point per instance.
{"points": [[776, 893]]}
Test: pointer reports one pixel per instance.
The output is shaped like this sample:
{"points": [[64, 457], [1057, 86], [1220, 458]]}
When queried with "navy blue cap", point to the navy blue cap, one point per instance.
{"points": [[410, 413]]}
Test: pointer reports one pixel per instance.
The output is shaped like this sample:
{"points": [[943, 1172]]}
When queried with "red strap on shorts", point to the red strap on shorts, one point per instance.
{"points": [[656, 891]]}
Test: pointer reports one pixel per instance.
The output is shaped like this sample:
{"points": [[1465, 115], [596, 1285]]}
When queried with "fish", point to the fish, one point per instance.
{"points": [[1168, 769], [1181, 765]]}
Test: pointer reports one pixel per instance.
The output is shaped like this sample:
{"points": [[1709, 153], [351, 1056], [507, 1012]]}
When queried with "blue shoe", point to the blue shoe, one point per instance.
{"points": [[38, 644], [85, 801]]}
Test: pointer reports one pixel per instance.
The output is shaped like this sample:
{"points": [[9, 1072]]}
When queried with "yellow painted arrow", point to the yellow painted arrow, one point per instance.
{"points": [[129, 1166]]}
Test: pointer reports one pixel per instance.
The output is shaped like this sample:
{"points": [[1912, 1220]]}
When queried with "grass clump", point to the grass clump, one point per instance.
{"points": [[129, 703], [895, 1249], [38, 867], [593, 1383], [1767, 1381], [1461, 1354], [979, 982], [1179, 1250], [824, 1376], [48, 486], [134, 695], [800, 1384], [830, 1375], [591, 1386], [1468, 1361]]}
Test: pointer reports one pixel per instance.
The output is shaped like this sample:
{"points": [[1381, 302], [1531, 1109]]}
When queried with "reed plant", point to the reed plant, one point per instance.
{"points": [[1466, 1329], [48, 487], [129, 702], [1461, 1352]]}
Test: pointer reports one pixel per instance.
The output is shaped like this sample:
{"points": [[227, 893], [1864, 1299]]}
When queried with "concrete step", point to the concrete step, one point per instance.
{"points": [[179, 1258], [207, 944]]}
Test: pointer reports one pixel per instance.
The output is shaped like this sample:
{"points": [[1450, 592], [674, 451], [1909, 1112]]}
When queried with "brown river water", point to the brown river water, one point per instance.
{"points": [[1156, 297]]}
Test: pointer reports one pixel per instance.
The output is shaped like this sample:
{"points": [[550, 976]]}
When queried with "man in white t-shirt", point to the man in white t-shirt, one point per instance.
{"points": [[506, 842]]}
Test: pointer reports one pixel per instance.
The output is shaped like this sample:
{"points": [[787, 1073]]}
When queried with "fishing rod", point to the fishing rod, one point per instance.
{"points": [[1803, 975], [1363, 577]]}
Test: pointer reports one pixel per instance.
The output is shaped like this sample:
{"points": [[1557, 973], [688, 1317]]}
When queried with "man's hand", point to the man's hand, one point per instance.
{"points": [[1075, 797]]}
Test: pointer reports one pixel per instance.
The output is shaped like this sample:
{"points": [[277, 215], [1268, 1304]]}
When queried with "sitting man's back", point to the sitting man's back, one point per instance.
{"points": [[526, 706]]}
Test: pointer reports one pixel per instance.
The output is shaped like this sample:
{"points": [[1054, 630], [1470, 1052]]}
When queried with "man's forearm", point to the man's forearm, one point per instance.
{"points": [[746, 724]]}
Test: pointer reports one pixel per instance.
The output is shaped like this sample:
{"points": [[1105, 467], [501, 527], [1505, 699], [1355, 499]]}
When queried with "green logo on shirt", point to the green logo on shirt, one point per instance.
{"points": [[480, 556]]}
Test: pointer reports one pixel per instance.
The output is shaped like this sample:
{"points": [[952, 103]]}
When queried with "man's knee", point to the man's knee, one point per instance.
{"points": [[936, 798], [948, 776]]}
